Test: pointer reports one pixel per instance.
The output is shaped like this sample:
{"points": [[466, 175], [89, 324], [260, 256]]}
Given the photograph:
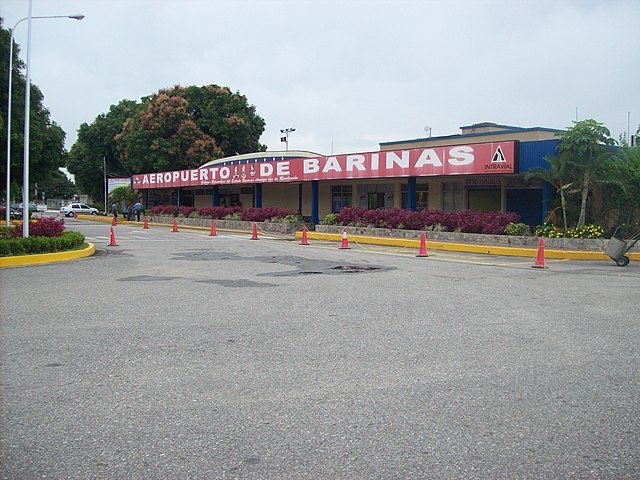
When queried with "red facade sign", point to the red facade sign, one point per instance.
{"points": [[474, 159]]}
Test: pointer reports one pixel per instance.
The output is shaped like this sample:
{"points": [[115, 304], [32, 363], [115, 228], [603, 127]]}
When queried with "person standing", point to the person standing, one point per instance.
{"points": [[114, 210], [137, 208]]}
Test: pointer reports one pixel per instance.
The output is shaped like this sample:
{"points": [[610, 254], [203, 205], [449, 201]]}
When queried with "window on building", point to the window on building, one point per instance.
{"points": [[187, 198], [340, 197], [375, 200], [452, 197], [422, 196]]}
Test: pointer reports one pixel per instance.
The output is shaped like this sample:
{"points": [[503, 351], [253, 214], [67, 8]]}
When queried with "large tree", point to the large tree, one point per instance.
{"points": [[589, 143], [625, 168], [185, 127], [96, 147], [173, 129], [46, 152]]}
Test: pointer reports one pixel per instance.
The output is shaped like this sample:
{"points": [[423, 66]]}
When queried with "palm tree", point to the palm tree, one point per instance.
{"points": [[561, 175], [589, 144]]}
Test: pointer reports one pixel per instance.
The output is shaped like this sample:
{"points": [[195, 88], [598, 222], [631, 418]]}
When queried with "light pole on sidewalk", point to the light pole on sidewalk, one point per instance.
{"points": [[28, 88]]}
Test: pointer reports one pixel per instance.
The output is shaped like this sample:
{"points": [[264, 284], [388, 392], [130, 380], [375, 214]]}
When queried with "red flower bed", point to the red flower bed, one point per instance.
{"points": [[248, 214], [465, 221], [41, 227]]}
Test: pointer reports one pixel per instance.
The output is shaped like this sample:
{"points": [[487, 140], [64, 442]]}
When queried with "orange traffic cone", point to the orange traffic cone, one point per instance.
{"points": [[540, 257], [113, 222], [213, 229], [345, 243], [254, 232], [175, 225], [304, 240], [145, 225], [112, 239], [423, 246]]}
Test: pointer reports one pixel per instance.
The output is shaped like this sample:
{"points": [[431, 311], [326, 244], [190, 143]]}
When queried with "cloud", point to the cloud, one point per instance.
{"points": [[349, 74]]}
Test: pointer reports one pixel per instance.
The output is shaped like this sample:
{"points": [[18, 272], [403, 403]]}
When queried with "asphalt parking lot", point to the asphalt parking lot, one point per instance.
{"points": [[180, 355]]}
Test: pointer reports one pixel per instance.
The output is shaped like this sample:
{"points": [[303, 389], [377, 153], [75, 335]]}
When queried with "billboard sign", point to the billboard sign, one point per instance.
{"points": [[473, 159]]}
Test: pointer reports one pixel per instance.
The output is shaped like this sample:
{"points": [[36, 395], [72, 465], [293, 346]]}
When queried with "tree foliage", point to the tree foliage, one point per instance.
{"points": [[561, 175], [57, 185], [123, 196], [96, 147], [173, 129], [588, 142], [625, 169], [46, 152]]}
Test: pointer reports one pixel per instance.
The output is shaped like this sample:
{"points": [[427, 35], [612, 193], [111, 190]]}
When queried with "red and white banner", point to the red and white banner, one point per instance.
{"points": [[474, 159]]}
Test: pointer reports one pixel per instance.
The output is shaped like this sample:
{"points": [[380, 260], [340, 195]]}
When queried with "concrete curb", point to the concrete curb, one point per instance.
{"points": [[166, 225], [43, 258], [463, 247]]}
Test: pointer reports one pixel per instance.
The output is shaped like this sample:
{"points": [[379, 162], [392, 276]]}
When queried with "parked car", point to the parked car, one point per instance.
{"points": [[16, 210], [76, 208]]}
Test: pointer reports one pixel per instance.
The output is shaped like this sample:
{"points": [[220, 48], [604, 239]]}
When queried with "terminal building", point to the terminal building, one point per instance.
{"points": [[479, 169]]}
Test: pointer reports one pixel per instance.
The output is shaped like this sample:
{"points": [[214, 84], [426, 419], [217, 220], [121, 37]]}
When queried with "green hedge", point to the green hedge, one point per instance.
{"points": [[32, 245]]}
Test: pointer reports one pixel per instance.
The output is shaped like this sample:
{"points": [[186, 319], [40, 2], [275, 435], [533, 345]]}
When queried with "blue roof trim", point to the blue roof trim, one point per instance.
{"points": [[469, 135]]}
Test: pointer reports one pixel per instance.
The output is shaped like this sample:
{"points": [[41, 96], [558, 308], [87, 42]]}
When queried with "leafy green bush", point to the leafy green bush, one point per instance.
{"points": [[234, 216], [34, 245], [293, 219], [519, 229], [330, 219]]}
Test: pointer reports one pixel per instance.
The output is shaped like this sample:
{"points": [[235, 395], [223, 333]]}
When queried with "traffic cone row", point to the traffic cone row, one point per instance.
{"points": [[344, 245]]}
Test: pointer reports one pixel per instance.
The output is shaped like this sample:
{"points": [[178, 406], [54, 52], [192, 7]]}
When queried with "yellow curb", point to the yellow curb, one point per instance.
{"points": [[468, 248], [42, 258]]}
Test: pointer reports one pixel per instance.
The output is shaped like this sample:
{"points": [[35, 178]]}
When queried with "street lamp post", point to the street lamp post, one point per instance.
{"points": [[75, 17], [285, 139]]}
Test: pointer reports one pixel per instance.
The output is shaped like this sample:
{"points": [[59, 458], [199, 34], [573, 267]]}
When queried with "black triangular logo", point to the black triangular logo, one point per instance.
{"points": [[498, 157]]}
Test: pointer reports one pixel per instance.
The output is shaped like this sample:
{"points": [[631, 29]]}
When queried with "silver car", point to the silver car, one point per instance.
{"points": [[76, 208]]}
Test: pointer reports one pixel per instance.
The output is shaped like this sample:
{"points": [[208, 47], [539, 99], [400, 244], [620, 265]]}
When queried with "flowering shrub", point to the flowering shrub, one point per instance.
{"points": [[584, 231], [164, 210], [218, 212], [264, 214], [41, 227], [547, 230], [464, 221], [248, 214]]}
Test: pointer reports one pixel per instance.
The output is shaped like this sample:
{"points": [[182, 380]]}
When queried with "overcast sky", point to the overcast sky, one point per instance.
{"points": [[345, 74]]}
